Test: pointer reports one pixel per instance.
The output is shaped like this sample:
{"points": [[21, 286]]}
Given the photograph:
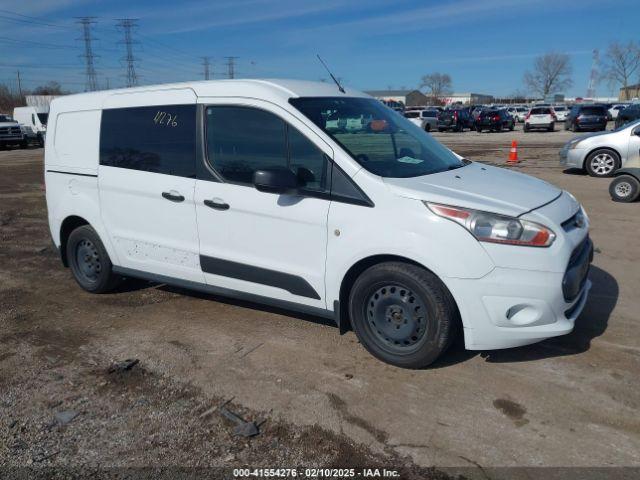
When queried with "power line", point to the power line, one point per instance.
{"points": [[127, 25], [90, 71], [34, 44], [231, 66], [34, 20]]}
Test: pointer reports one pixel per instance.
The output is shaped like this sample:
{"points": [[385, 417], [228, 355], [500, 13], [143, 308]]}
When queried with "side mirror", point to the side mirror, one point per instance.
{"points": [[275, 180]]}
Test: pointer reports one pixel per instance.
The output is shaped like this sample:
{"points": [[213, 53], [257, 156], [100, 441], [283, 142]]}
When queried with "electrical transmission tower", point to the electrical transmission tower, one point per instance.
{"points": [[593, 76], [127, 25], [206, 64], [91, 82], [231, 66]]}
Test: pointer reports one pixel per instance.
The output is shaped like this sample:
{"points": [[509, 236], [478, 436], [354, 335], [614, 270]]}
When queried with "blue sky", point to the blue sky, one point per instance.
{"points": [[485, 45]]}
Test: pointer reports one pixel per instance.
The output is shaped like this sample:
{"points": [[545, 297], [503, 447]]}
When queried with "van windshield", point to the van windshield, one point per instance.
{"points": [[379, 139], [43, 117]]}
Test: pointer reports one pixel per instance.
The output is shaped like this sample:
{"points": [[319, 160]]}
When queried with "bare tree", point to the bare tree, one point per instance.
{"points": [[437, 84], [551, 73], [622, 62], [49, 88], [10, 98]]}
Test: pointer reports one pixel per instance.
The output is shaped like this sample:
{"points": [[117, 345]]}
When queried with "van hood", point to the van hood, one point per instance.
{"points": [[479, 186]]}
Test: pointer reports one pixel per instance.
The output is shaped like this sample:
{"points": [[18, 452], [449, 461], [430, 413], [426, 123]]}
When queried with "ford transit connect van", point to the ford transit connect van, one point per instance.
{"points": [[251, 189]]}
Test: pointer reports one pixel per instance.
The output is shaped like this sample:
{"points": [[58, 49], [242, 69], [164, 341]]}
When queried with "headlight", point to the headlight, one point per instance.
{"points": [[490, 227]]}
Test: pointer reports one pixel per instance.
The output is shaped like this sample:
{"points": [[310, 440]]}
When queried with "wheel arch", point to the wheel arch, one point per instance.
{"points": [[632, 171], [343, 318], [595, 149], [68, 225]]}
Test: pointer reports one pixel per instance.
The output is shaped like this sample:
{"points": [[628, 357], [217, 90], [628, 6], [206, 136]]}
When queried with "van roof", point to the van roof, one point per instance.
{"points": [[266, 89]]}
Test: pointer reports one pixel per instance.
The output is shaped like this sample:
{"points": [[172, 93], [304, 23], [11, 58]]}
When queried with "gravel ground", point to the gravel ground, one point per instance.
{"points": [[319, 399]]}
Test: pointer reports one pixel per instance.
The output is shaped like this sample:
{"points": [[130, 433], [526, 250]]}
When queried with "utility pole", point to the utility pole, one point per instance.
{"points": [[91, 82], [19, 84], [127, 25], [593, 77], [206, 65], [231, 66]]}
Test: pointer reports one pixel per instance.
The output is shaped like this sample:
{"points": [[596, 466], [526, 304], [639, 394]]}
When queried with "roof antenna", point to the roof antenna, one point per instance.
{"points": [[331, 74]]}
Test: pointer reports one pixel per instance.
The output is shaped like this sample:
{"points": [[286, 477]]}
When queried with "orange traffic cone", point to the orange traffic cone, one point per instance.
{"points": [[513, 153]]}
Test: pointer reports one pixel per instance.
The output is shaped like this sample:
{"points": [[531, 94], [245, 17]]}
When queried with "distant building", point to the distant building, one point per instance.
{"points": [[629, 93], [409, 98], [40, 102], [468, 98]]}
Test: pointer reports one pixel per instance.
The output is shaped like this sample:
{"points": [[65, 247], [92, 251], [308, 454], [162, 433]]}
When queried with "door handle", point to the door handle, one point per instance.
{"points": [[216, 205], [173, 196]]}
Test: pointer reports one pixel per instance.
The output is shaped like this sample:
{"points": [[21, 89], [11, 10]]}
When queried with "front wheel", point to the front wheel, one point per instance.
{"points": [[602, 163], [552, 127], [624, 188], [402, 314], [89, 261], [427, 127]]}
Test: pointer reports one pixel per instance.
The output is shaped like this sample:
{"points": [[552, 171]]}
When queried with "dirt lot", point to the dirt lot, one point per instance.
{"points": [[319, 398]]}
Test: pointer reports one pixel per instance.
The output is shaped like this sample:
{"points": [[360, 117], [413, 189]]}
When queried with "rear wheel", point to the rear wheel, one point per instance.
{"points": [[402, 314], [89, 261], [552, 127], [602, 163], [624, 188]]}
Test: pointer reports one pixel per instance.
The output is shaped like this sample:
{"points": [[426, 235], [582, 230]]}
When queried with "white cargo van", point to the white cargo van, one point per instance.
{"points": [[34, 121], [243, 188]]}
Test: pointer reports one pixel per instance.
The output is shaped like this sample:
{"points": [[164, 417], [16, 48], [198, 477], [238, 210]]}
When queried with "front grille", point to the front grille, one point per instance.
{"points": [[10, 131], [578, 269]]}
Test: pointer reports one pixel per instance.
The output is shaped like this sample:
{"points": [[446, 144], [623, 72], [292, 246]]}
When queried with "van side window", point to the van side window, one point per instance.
{"points": [[241, 140], [158, 139]]}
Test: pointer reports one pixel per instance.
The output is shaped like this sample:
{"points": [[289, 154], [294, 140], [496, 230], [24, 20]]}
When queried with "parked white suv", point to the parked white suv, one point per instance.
{"points": [[540, 118], [239, 188], [561, 112]]}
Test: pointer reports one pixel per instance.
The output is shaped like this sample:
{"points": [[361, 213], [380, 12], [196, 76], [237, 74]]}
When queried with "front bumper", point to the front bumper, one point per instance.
{"points": [[572, 157], [511, 307], [11, 138]]}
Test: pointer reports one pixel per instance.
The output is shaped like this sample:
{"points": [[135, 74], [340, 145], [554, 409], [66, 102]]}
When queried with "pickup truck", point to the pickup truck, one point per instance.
{"points": [[10, 133]]}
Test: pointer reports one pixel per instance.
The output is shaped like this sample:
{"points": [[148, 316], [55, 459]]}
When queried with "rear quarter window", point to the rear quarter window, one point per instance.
{"points": [[76, 139], [158, 139]]}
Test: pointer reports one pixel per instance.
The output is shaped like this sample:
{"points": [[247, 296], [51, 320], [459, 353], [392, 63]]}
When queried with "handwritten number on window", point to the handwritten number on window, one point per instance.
{"points": [[167, 119]]}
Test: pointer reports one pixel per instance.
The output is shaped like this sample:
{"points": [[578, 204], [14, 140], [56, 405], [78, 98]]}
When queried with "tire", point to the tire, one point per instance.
{"points": [[385, 305], [24, 144], [525, 129], [552, 127], [512, 126], [624, 188], [441, 129], [602, 163], [478, 129], [40, 141], [427, 127], [89, 261]]}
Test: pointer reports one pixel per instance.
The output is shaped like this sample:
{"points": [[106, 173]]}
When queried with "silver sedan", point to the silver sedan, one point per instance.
{"points": [[602, 153]]}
